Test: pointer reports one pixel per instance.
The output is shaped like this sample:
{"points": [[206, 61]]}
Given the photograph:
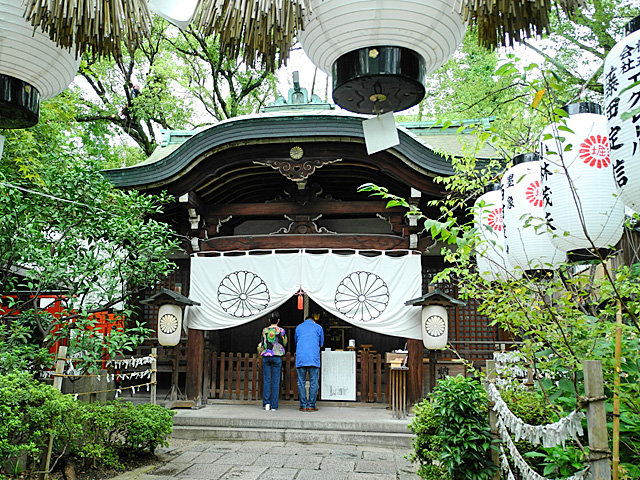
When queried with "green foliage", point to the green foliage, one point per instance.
{"points": [[18, 351], [176, 80], [29, 414], [99, 434], [461, 406], [64, 228], [427, 445], [103, 433], [558, 461]]}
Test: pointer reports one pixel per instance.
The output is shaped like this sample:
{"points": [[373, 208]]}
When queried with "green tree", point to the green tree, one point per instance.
{"points": [[65, 229], [578, 45], [174, 80]]}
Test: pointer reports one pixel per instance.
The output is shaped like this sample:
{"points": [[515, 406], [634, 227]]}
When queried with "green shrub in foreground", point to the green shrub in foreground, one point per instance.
{"points": [[29, 412], [453, 437], [96, 433], [426, 444]]}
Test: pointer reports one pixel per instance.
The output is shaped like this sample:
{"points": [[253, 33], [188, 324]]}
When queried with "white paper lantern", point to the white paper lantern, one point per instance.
{"points": [[169, 324], [579, 190], [490, 250], [32, 68], [621, 69], [527, 239], [435, 327], [362, 43], [177, 12]]}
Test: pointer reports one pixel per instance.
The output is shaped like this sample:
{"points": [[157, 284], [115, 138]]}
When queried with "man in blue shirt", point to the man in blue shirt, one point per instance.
{"points": [[309, 339]]}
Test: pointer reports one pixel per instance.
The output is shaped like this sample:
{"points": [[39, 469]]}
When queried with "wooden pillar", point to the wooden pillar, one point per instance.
{"points": [[414, 375], [195, 364], [599, 453], [433, 372], [154, 376]]}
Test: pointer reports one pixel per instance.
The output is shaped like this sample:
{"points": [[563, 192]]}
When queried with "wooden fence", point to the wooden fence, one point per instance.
{"points": [[239, 377]]}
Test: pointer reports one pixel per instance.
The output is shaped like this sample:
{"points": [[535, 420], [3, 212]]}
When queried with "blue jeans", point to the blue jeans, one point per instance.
{"points": [[271, 367], [314, 373]]}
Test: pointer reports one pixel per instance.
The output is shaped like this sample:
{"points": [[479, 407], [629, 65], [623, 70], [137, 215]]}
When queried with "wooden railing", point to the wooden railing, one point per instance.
{"points": [[239, 377]]}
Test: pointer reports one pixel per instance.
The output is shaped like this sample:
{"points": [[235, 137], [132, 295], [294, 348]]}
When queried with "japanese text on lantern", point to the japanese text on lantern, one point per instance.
{"points": [[622, 95]]}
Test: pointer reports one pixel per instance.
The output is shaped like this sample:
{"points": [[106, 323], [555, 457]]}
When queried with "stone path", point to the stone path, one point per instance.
{"points": [[261, 460]]}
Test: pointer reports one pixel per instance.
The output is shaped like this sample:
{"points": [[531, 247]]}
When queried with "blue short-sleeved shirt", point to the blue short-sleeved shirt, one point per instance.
{"points": [[309, 339]]}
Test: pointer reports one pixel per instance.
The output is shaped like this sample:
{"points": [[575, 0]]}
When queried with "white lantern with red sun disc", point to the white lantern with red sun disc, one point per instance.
{"points": [[620, 97], [526, 236], [490, 251], [579, 191]]}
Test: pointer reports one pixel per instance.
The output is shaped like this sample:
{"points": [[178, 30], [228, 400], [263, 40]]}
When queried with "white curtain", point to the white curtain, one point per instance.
{"points": [[366, 291]]}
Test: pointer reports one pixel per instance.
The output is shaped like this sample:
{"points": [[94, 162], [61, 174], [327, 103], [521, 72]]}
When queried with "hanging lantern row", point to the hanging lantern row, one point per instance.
{"points": [[378, 51], [561, 205], [622, 100]]}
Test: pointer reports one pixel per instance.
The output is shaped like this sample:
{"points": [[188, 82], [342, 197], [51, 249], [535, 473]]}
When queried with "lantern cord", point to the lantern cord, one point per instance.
{"points": [[26, 190]]}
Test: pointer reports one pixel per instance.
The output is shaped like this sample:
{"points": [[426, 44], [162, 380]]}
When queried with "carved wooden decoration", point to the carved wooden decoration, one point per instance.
{"points": [[296, 170], [302, 225]]}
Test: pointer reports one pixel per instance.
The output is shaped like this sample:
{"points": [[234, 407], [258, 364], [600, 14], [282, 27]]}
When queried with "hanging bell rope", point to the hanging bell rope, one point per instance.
{"points": [[505, 22], [259, 30], [97, 27]]}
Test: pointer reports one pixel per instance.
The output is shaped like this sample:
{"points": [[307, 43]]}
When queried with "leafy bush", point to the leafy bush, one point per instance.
{"points": [[532, 408], [109, 431], [426, 444], [453, 437], [29, 412], [99, 434], [462, 405]]}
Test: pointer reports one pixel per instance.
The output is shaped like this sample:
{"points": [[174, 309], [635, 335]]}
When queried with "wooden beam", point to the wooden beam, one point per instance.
{"points": [[192, 200], [291, 208], [324, 241]]}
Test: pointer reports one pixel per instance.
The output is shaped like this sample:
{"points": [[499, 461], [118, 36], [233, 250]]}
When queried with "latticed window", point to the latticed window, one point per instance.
{"points": [[469, 331]]}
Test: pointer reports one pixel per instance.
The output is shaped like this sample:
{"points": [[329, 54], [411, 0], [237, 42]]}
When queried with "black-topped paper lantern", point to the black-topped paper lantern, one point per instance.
{"points": [[379, 51], [169, 315], [435, 319]]}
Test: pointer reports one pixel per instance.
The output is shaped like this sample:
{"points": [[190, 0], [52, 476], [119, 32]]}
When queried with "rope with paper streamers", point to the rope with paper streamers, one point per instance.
{"points": [[117, 364], [509, 372], [569, 427], [118, 391], [526, 472]]}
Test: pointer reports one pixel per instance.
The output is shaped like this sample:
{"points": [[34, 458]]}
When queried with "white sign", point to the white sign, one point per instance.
{"points": [[338, 376]]}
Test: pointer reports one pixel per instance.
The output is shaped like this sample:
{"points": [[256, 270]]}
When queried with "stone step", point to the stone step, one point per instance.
{"points": [[359, 425], [334, 437], [284, 421]]}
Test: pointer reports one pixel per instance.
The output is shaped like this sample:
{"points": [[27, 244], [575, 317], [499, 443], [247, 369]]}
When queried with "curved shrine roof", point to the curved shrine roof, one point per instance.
{"points": [[269, 129]]}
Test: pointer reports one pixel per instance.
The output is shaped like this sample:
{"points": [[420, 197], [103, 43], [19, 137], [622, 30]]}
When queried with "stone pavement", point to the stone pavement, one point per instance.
{"points": [[269, 460]]}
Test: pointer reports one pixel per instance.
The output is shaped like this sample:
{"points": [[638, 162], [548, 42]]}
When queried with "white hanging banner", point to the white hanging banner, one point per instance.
{"points": [[368, 292], [233, 290]]}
